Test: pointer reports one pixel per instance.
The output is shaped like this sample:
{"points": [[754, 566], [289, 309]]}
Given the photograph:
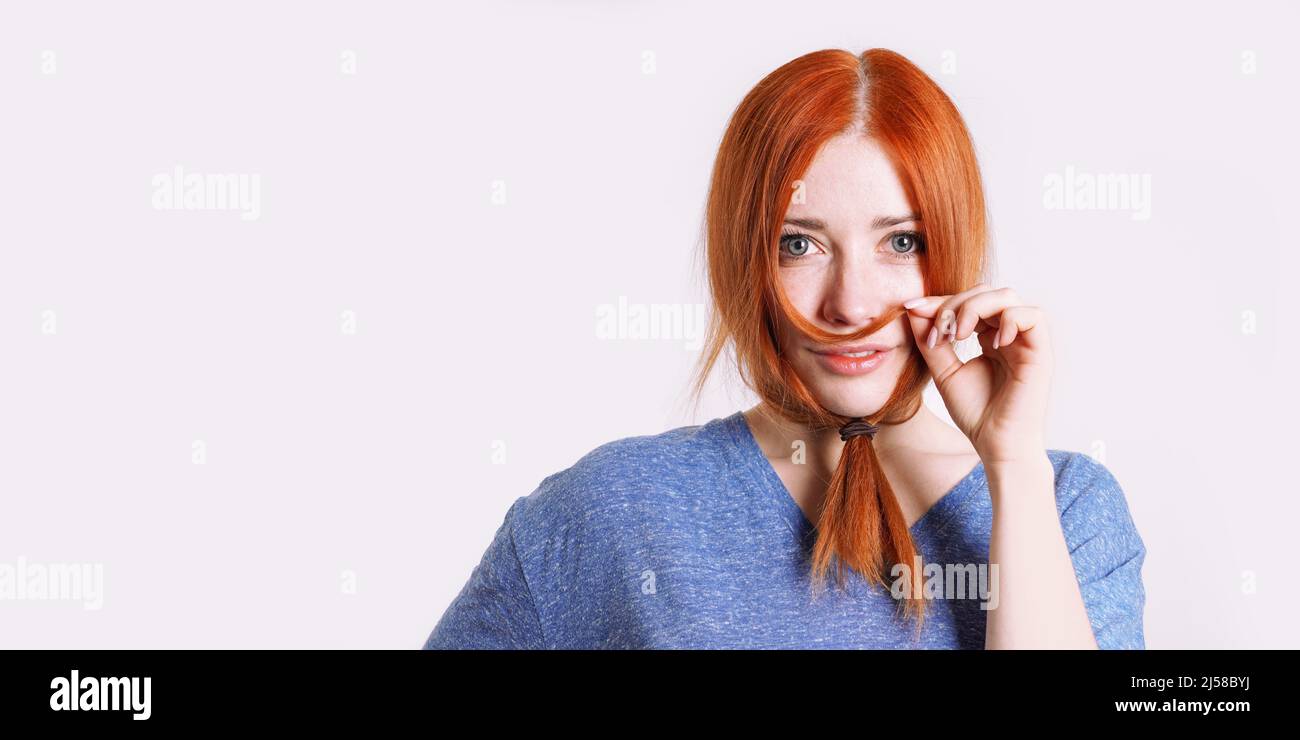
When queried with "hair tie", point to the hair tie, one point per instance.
{"points": [[856, 427]]}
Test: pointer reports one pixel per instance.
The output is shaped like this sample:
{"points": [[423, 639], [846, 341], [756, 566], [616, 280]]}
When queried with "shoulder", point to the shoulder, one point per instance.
{"points": [[582, 537], [1085, 486], [1095, 514], [623, 478], [637, 461]]}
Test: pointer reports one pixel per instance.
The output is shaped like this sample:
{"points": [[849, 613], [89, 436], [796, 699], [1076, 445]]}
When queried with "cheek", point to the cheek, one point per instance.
{"points": [[907, 282], [804, 289], [803, 294]]}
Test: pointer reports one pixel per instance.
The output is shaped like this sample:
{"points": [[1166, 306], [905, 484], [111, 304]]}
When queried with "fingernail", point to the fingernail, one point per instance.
{"points": [[947, 321], [934, 334], [996, 337], [914, 302]]}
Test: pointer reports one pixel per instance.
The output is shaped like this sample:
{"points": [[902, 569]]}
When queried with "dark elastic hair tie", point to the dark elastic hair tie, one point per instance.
{"points": [[856, 427]]}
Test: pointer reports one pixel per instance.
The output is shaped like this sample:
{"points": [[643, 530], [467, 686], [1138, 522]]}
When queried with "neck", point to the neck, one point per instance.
{"points": [[778, 437]]}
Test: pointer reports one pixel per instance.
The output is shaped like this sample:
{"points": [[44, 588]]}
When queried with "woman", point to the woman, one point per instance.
{"points": [[846, 243]]}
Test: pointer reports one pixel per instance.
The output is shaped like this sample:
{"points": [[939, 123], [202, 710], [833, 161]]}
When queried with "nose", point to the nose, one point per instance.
{"points": [[855, 295]]}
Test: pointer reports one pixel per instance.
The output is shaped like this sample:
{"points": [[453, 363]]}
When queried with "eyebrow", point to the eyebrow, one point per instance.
{"points": [[880, 222]]}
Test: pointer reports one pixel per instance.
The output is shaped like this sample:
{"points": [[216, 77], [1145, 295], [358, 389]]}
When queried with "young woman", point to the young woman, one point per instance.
{"points": [[846, 246]]}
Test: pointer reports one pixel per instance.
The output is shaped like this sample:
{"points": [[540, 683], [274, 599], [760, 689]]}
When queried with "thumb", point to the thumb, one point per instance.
{"points": [[942, 357]]}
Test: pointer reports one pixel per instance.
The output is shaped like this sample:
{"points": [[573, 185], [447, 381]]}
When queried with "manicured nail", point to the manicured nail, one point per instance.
{"points": [[934, 334], [948, 321], [914, 302], [996, 337]]}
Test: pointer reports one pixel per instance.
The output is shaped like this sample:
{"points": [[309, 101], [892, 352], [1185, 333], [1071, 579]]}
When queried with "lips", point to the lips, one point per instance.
{"points": [[855, 363], [850, 350]]}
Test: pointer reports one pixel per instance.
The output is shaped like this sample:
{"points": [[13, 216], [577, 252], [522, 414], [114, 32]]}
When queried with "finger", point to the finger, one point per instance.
{"points": [[920, 315], [988, 344], [925, 306], [1018, 320], [929, 306], [948, 310], [984, 308], [941, 358]]}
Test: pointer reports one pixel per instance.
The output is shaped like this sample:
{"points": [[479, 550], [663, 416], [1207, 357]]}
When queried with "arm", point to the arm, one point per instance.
{"points": [[1039, 602], [495, 608], [1067, 580]]}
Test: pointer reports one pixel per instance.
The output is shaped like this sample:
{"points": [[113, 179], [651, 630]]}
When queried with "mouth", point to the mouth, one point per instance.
{"points": [[856, 359]]}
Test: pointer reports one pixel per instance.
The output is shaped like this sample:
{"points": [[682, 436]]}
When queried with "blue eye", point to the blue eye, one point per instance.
{"points": [[907, 243], [795, 244]]}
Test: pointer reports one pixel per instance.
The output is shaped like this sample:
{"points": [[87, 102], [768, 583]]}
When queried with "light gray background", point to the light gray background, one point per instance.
{"points": [[353, 480]]}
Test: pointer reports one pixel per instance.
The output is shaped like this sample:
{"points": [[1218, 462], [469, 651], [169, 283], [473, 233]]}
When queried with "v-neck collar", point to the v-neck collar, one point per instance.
{"points": [[749, 456]]}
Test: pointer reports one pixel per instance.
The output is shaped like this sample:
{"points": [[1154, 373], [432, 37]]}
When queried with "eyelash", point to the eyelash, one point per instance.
{"points": [[916, 250]]}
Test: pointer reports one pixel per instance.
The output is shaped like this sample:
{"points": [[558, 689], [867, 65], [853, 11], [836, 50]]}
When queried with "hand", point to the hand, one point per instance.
{"points": [[999, 399]]}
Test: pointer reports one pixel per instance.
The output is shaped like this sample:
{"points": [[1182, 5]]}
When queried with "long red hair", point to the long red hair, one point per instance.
{"points": [[770, 142]]}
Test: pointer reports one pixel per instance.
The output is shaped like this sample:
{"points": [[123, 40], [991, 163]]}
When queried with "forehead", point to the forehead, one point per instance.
{"points": [[850, 182]]}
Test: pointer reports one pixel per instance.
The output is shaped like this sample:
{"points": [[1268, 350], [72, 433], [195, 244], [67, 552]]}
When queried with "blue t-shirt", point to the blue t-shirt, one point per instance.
{"points": [[689, 539]]}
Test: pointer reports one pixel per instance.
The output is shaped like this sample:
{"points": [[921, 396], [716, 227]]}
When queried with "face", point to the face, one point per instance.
{"points": [[849, 252]]}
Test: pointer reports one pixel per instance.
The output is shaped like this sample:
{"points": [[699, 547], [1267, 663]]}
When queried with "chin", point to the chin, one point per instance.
{"points": [[839, 397], [853, 409]]}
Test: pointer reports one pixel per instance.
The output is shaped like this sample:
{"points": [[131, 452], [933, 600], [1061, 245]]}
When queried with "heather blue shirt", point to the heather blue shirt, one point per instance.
{"points": [[689, 539]]}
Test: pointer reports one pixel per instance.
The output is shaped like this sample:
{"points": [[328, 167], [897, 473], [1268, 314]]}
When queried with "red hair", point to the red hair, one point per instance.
{"points": [[770, 142]]}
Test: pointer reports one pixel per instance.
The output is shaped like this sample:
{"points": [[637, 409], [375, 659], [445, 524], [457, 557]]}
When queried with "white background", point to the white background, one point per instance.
{"points": [[349, 485]]}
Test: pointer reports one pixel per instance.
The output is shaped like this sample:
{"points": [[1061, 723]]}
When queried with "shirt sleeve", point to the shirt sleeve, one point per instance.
{"points": [[1107, 552], [494, 610]]}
